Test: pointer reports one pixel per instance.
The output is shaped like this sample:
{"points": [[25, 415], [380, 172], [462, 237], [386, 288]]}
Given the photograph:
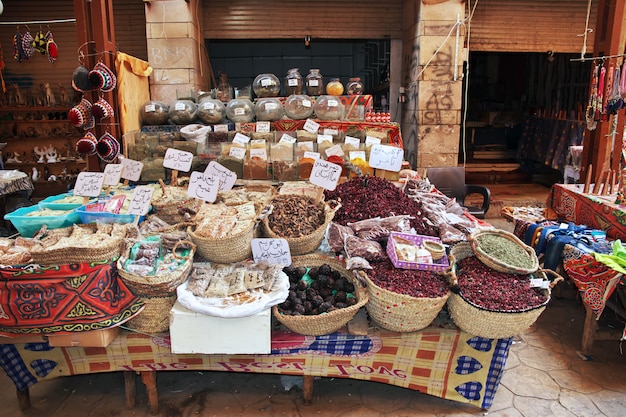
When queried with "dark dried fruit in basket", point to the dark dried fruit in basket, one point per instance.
{"points": [[494, 290]]}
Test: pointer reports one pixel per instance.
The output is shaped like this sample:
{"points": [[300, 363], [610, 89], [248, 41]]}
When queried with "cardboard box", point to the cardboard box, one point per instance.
{"points": [[192, 332], [92, 338], [22, 339], [417, 240]]}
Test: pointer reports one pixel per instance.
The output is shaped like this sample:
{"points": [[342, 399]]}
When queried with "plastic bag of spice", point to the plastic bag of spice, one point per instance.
{"points": [[379, 228], [371, 250], [336, 235]]}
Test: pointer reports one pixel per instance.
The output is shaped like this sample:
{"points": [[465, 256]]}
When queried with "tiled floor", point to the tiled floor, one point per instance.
{"points": [[544, 377]]}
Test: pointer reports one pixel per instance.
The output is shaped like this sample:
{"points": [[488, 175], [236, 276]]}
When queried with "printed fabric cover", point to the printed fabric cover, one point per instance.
{"points": [[63, 299]]}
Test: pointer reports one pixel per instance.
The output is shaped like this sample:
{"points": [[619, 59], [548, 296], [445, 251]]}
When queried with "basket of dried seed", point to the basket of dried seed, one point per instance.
{"points": [[503, 251]]}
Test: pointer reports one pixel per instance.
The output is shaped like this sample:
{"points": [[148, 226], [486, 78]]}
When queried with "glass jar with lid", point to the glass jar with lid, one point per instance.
{"points": [[211, 110], [268, 109], [334, 87], [293, 82], [298, 106], [266, 85], [314, 82], [328, 107], [183, 112], [354, 86], [240, 110]]}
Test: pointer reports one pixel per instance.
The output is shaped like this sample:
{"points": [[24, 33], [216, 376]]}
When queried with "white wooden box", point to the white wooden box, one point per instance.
{"points": [[192, 332]]}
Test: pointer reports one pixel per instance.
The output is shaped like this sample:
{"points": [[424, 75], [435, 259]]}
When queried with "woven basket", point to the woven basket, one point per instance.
{"points": [[155, 316], [73, 255], [172, 210], [328, 322], [478, 321], [401, 312], [158, 285], [309, 243], [229, 249], [498, 264]]}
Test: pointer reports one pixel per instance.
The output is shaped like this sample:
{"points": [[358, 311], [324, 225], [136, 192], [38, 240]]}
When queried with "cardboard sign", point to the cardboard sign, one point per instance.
{"points": [[311, 126], [202, 186], [325, 174], [241, 138], [358, 155], [220, 128], [258, 153], [263, 126], [112, 174], [285, 138], [237, 152], [312, 155], [131, 169], [89, 184], [356, 142], [324, 138], [386, 157], [335, 150], [140, 201], [225, 176], [177, 160], [272, 251], [371, 140]]}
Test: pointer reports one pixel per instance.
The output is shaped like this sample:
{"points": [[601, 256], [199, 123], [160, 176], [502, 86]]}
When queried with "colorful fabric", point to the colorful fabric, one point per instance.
{"points": [[443, 362], [63, 299], [596, 212], [615, 260]]}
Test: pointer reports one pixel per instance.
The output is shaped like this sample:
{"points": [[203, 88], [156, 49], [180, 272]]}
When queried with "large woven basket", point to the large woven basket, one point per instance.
{"points": [[158, 285], [309, 243], [497, 264], [478, 321], [155, 316], [229, 249], [326, 323], [401, 312], [171, 209]]}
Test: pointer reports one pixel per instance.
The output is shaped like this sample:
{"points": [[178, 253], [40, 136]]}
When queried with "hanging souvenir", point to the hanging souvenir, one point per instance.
{"points": [[52, 49], [4, 87], [18, 52], [27, 45], [590, 114], [39, 42], [600, 95], [614, 102]]}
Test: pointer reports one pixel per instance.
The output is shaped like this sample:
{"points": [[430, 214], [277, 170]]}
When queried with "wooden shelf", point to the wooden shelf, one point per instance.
{"points": [[34, 121], [22, 109], [30, 164]]}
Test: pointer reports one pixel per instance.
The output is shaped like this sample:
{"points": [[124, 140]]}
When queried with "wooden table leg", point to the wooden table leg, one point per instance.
{"points": [[589, 330], [130, 389], [23, 399], [149, 380], [307, 389]]}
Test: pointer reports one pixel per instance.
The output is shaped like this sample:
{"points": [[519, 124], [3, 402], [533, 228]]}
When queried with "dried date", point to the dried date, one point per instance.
{"points": [[295, 216]]}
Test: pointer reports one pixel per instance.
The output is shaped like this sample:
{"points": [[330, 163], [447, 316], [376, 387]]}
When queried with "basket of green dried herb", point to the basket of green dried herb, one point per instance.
{"points": [[503, 251]]}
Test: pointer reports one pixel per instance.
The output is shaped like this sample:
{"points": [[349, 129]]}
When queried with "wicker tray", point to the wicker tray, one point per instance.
{"points": [[234, 248], [111, 250], [309, 243], [158, 285], [478, 321], [401, 312], [497, 264], [328, 322]]}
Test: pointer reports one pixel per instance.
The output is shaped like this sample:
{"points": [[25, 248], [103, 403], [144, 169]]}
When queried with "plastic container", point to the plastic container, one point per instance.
{"points": [[54, 202], [211, 111], [183, 112], [240, 110], [266, 85], [87, 217], [314, 82], [155, 113], [328, 108], [27, 226], [294, 84], [298, 107], [269, 109]]}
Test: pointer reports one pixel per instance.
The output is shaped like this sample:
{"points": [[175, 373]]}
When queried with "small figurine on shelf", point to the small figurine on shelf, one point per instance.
{"points": [[51, 154], [50, 100], [14, 159], [41, 153], [35, 174]]}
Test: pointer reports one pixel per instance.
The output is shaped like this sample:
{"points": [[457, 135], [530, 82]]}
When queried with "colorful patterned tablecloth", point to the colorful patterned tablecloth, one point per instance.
{"points": [[443, 362], [597, 212]]}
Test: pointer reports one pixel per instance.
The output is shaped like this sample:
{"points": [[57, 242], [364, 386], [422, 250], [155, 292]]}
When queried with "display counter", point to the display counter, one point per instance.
{"points": [[439, 361]]}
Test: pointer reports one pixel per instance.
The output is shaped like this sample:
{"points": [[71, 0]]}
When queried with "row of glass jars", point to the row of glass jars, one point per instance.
{"points": [[268, 85]]}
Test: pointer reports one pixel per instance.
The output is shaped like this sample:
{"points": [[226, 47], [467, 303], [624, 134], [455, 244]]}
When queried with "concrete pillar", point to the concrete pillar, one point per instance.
{"points": [[175, 49], [433, 62]]}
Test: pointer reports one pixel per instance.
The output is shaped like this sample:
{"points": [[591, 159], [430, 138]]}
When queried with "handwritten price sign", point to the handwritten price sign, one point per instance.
{"points": [[89, 184], [131, 169], [140, 201], [204, 187], [271, 251], [225, 176], [386, 157], [177, 160], [325, 174], [112, 174]]}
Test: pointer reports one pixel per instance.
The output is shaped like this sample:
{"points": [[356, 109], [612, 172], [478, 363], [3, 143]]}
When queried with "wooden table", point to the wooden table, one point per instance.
{"points": [[439, 361]]}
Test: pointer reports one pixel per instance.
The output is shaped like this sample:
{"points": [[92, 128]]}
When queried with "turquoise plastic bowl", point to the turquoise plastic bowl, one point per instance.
{"points": [[27, 226]]}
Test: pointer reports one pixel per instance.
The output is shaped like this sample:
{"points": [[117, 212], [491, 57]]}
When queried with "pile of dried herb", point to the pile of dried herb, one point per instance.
{"points": [[505, 250]]}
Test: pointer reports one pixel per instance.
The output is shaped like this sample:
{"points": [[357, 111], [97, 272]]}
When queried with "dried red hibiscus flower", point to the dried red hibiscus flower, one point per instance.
{"points": [[412, 282]]}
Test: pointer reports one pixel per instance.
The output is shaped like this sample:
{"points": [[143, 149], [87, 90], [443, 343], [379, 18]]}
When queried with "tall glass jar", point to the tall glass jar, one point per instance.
{"points": [[266, 85], [293, 82], [314, 83], [354, 86], [224, 89]]}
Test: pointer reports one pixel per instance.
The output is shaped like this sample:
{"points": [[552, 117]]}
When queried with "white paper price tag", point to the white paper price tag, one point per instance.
{"points": [[272, 251], [358, 155], [335, 150], [324, 138], [179, 106], [150, 108], [241, 138], [311, 126], [220, 128], [285, 138], [371, 140], [207, 105], [325, 174], [312, 155], [237, 152], [112, 174], [386, 157], [89, 184], [258, 153], [306, 146], [263, 126], [203, 187], [225, 176], [177, 159], [140, 201], [131, 169], [330, 131], [352, 141]]}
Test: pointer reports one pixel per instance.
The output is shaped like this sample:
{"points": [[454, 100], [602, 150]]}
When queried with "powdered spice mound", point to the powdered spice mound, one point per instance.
{"points": [[368, 197], [496, 291], [412, 282]]}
